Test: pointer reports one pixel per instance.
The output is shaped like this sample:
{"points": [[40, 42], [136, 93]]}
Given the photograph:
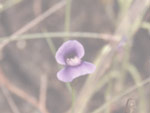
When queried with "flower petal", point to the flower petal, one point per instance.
{"points": [[69, 49], [71, 72], [64, 76]]}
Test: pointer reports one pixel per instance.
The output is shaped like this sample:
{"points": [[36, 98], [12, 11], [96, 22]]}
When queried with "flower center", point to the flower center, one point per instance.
{"points": [[73, 61]]}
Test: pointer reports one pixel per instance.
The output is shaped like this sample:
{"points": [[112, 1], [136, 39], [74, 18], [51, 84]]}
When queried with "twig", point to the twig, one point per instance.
{"points": [[43, 90], [20, 93], [34, 22], [123, 94], [5, 82], [37, 7], [10, 101]]}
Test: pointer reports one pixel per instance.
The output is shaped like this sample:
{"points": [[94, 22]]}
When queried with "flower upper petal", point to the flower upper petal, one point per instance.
{"points": [[71, 48], [71, 72]]}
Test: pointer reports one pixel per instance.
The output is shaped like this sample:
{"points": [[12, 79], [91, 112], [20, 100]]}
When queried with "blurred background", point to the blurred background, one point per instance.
{"points": [[28, 68]]}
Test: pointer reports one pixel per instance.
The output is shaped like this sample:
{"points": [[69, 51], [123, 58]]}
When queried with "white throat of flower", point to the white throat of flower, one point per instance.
{"points": [[73, 61]]}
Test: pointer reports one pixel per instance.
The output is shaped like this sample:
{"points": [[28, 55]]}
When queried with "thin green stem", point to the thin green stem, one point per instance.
{"points": [[67, 17], [125, 60], [67, 30], [72, 91], [137, 78], [69, 87], [104, 80], [108, 92], [106, 37], [133, 88], [8, 4], [50, 43], [124, 7], [145, 25]]}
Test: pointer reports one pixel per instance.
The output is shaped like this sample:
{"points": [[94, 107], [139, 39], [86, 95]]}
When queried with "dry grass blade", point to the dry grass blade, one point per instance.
{"points": [[34, 22], [10, 101], [123, 29], [43, 90], [20, 93], [128, 91]]}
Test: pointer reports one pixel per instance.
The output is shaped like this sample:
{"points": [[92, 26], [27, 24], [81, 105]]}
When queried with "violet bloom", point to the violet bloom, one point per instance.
{"points": [[70, 55]]}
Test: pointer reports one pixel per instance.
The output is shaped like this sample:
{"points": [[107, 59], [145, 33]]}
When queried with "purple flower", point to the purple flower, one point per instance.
{"points": [[70, 55]]}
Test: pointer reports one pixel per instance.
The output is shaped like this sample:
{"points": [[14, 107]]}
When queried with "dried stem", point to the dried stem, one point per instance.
{"points": [[20, 93], [43, 90], [116, 98], [123, 29], [34, 22], [11, 87], [10, 101]]}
